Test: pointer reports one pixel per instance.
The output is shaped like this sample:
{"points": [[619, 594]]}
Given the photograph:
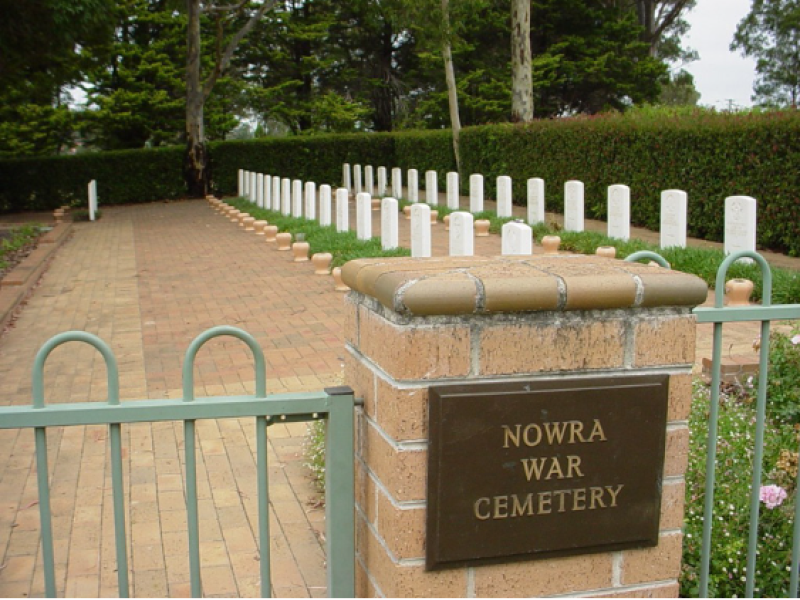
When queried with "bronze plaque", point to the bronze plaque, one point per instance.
{"points": [[540, 469]]}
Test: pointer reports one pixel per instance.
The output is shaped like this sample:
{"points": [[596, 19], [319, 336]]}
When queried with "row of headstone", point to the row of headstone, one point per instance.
{"points": [[291, 197]]}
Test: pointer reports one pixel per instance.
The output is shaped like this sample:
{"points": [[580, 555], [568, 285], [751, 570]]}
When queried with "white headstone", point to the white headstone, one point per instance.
{"points": [[240, 187], [381, 181], [462, 234], [342, 210], [297, 198], [357, 180], [253, 186], [286, 196], [504, 203], [369, 180], [260, 190], [268, 192], [452, 190], [92, 199], [740, 224], [276, 193], [346, 181], [389, 224], [431, 188], [363, 216], [245, 184], [619, 212], [476, 193], [412, 189], [324, 205], [674, 207], [397, 182], [311, 200], [517, 239], [535, 200], [573, 206], [420, 230]]}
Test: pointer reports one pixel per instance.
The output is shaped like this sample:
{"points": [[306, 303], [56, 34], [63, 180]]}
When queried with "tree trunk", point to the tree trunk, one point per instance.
{"points": [[196, 160], [521, 78], [450, 77]]}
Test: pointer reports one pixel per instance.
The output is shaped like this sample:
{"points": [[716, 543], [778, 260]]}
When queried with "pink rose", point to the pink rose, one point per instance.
{"points": [[772, 495]]}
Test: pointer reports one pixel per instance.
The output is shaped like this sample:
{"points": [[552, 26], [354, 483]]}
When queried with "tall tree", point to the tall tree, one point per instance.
{"points": [[771, 33], [243, 19], [522, 82]]}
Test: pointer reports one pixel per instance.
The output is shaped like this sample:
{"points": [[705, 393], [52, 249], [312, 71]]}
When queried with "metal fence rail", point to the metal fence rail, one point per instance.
{"points": [[718, 315], [333, 404]]}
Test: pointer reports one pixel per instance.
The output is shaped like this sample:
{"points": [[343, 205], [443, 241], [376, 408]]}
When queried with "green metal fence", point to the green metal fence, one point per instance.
{"points": [[333, 404], [718, 315]]}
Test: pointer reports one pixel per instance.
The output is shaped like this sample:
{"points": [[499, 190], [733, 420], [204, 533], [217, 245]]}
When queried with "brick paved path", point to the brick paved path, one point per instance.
{"points": [[148, 279]]}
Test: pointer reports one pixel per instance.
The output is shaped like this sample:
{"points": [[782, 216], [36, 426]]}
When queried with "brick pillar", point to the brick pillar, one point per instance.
{"points": [[414, 323]]}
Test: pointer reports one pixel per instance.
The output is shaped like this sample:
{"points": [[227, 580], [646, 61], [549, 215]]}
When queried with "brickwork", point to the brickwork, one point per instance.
{"points": [[393, 358]]}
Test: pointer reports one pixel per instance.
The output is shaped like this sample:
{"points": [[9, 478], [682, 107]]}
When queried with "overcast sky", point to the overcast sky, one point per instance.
{"points": [[720, 75]]}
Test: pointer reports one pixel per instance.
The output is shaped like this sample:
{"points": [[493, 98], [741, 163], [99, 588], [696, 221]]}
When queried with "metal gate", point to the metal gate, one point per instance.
{"points": [[333, 404], [718, 315]]}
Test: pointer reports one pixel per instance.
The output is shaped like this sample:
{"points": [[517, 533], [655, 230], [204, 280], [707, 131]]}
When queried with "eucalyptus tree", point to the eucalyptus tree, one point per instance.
{"points": [[771, 33], [232, 23]]}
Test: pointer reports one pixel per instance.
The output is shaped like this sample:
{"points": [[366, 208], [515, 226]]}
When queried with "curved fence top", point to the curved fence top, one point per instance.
{"points": [[197, 343]]}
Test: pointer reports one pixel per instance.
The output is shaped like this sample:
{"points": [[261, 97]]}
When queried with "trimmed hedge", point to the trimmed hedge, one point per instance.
{"points": [[316, 158], [709, 155], [123, 177]]}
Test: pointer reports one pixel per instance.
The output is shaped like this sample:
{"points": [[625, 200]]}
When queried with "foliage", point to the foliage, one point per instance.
{"points": [[679, 90], [731, 517], [771, 33], [783, 381], [314, 446], [19, 237], [703, 262], [124, 176]]}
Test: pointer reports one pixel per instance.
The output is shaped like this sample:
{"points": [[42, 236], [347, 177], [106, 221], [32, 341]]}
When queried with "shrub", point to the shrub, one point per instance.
{"points": [[783, 381], [731, 517]]}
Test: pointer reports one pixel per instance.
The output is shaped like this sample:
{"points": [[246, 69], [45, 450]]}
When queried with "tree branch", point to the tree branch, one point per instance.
{"points": [[223, 61], [230, 7], [670, 17]]}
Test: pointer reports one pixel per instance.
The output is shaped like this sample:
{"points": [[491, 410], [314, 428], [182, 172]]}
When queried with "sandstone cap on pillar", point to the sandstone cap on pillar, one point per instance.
{"points": [[485, 285]]}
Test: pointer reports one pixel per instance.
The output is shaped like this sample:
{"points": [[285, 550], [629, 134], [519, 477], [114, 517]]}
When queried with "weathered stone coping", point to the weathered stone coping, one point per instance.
{"points": [[481, 285]]}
